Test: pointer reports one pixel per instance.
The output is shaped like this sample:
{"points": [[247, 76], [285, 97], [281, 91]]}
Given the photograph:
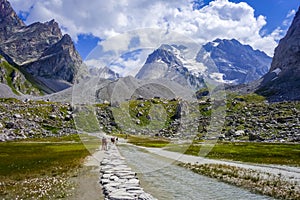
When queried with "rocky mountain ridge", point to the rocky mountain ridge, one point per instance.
{"points": [[10, 22], [104, 72], [225, 61], [237, 63], [38, 49], [168, 63]]}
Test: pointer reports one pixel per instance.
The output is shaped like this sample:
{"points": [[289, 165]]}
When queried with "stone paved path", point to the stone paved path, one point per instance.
{"points": [[119, 182]]}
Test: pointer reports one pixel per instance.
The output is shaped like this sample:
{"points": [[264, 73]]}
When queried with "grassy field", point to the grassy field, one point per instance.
{"points": [[252, 152], [147, 141], [267, 153], [42, 166]]}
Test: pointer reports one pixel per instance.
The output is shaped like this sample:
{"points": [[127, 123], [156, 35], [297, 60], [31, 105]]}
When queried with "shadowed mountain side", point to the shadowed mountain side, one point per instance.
{"points": [[282, 82]]}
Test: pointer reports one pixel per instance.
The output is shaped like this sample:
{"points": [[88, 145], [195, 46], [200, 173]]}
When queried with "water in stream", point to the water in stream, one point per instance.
{"points": [[168, 181]]}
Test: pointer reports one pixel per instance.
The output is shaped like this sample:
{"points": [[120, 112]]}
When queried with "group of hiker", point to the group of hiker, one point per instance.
{"points": [[105, 142]]}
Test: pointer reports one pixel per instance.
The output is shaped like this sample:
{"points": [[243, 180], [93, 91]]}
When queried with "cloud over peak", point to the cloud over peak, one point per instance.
{"points": [[219, 19]]}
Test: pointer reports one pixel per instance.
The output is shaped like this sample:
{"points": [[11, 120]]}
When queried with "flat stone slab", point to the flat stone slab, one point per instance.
{"points": [[118, 181]]}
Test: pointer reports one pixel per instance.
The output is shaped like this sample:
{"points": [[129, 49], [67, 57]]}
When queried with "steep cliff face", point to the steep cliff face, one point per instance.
{"points": [[39, 49], [63, 61], [28, 43], [282, 82]]}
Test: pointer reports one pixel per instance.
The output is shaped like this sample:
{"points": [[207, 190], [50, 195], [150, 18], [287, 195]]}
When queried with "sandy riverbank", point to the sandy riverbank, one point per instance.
{"points": [[87, 185]]}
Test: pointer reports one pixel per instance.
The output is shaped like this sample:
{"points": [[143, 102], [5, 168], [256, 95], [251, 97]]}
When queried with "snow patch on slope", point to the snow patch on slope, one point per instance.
{"points": [[277, 71]]}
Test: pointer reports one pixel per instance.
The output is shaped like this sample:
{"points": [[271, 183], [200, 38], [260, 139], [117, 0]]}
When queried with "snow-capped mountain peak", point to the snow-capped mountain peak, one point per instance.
{"points": [[237, 62], [226, 61], [169, 61]]}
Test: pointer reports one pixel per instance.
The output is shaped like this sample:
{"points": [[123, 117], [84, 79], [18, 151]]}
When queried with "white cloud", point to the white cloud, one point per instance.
{"points": [[219, 19], [289, 18], [280, 31], [291, 13], [19, 5], [131, 66], [122, 66]]}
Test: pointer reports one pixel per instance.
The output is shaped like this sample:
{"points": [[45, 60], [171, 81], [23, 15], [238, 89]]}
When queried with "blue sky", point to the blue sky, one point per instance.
{"points": [[88, 23], [85, 44]]}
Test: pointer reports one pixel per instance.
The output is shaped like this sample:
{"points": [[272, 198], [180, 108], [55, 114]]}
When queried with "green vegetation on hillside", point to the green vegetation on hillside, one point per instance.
{"points": [[141, 110], [85, 119], [15, 79], [36, 118]]}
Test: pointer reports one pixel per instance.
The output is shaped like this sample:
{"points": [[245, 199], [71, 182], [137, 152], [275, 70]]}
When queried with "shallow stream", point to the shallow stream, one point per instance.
{"points": [[165, 180]]}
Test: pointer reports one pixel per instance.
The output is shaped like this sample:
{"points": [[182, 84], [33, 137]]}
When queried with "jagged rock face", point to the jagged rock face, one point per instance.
{"points": [[228, 62], [282, 82], [287, 53], [238, 63], [62, 56], [158, 64], [28, 43], [39, 49], [9, 21]]}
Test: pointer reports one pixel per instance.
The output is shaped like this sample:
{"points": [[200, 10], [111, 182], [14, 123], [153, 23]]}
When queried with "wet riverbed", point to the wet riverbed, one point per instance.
{"points": [[165, 180]]}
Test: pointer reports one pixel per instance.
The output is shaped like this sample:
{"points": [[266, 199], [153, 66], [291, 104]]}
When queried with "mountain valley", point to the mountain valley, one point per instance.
{"points": [[223, 109]]}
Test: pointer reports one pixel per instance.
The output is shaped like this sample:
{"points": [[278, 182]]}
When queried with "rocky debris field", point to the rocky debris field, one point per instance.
{"points": [[259, 121], [245, 119], [106, 119], [33, 119], [118, 180]]}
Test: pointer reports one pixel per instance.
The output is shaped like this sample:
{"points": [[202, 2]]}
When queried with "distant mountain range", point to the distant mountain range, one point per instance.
{"points": [[105, 73], [235, 64], [39, 58]]}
